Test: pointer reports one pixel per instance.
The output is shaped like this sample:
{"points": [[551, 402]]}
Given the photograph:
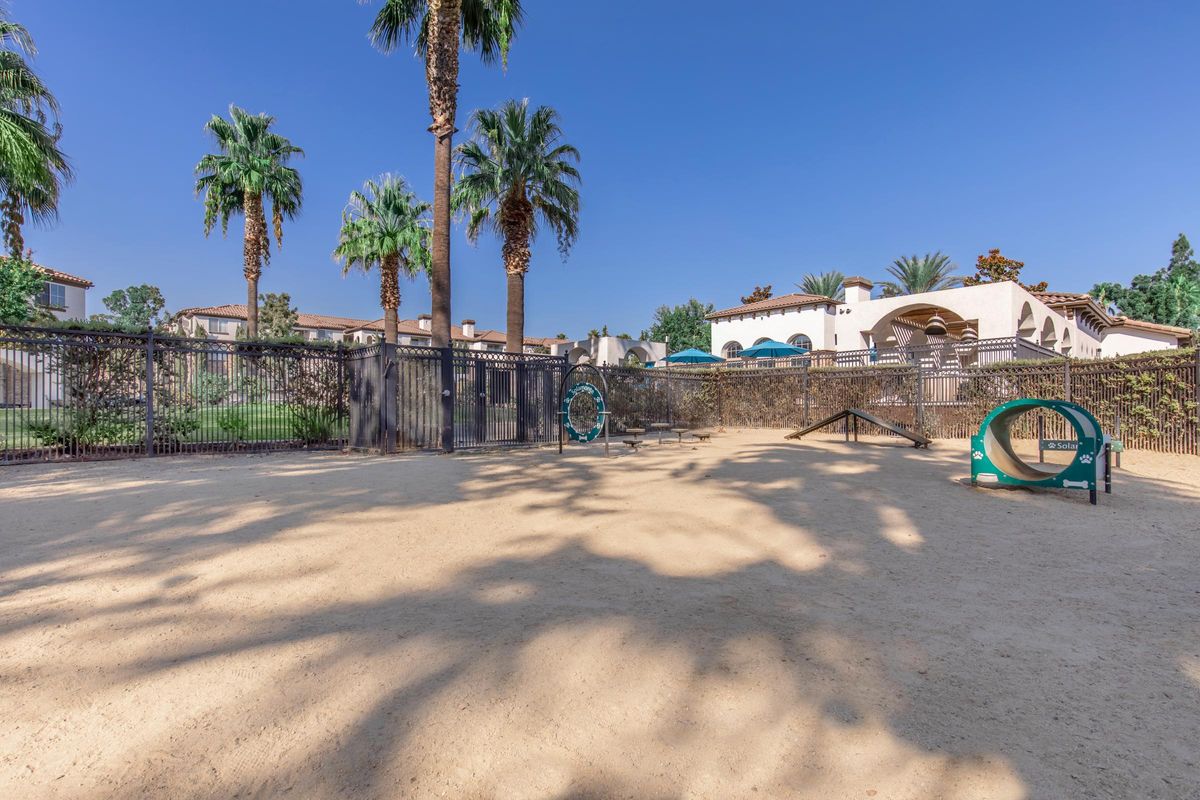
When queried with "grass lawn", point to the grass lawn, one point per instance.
{"points": [[263, 422]]}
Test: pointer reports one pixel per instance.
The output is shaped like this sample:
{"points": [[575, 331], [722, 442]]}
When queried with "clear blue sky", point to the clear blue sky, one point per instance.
{"points": [[721, 149]]}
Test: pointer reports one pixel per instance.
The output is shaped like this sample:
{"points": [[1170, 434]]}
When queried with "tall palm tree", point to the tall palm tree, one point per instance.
{"points": [[825, 284], [250, 167], [914, 275], [516, 173], [385, 226], [32, 167], [436, 28]]}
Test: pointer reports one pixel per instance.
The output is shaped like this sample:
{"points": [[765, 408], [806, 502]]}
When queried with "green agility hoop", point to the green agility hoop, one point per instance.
{"points": [[577, 427], [994, 462]]}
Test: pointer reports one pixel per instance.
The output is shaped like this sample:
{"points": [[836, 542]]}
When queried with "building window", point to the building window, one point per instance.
{"points": [[732, 350], [800, 340], [217, 325], [325, 335], [53, 296]]}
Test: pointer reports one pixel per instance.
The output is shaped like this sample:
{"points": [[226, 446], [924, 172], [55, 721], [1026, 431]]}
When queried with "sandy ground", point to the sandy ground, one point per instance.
{"points": [[748, 618]]}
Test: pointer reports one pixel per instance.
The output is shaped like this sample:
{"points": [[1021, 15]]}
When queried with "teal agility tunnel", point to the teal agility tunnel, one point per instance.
{"points": [[994, 462]]}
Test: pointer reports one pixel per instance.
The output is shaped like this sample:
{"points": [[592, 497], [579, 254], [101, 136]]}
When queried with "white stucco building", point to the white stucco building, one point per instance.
{"points": [[609, 351], [1065, 323], [65, 295]]}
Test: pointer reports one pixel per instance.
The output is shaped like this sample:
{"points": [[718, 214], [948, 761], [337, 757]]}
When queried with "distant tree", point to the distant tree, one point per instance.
{"points": [[136, 307], [249, 168], [277, 318], [624, 336], [560, 336], [684, 324], [759, 293], [20, 283], [913, 275], [594, 333], [826, 284], [995, 268], [1170, 296], [518, 175]]}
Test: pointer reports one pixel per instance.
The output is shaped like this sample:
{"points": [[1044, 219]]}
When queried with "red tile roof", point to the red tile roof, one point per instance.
{"points": [[793, 300], [58, 276], [1137, 324], [303, 320]]}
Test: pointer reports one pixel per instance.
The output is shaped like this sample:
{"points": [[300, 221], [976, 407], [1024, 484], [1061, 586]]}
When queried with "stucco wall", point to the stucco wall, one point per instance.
{"points": [[1125, 341], [815, 322]]}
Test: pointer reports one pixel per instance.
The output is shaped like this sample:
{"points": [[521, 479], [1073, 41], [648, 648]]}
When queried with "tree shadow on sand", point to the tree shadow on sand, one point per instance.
{"points": [[852, 629]]}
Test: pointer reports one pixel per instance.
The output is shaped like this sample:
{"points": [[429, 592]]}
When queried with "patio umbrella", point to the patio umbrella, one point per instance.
{"points": [[773, 349], [693, 356]]}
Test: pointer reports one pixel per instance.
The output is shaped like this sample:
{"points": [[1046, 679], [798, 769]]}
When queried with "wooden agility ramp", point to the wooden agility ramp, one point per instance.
{"points": [[852, 416]]}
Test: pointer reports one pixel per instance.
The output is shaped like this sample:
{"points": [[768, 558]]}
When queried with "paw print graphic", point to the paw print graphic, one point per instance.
{"points": [[1086, 458], [978, 456]]}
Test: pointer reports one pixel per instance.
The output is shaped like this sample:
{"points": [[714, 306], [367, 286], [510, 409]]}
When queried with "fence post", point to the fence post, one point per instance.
{"points": [[920, 401], [150, 392], [389, 380], [1067, 379], [1196, 389], [447, 369], [804, 382], [522, 400]]}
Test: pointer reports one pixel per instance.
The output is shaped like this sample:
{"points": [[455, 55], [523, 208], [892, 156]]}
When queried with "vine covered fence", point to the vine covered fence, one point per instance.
{"points": [[1150, 402]]}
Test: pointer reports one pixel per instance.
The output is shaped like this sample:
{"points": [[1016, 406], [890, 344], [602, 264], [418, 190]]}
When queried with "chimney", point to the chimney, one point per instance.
{"points": [[425, 322], [468, 327], [858, 290]]}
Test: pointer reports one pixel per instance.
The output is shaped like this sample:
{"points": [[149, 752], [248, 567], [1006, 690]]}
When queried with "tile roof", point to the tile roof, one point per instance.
{"points": [[793, 300], [1061, 298], [58, 276], [410, 327], [1137, 324], [303, 320]]}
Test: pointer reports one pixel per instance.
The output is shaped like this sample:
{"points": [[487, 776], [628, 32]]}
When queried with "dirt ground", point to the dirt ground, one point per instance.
{"points": [[746, 618]]}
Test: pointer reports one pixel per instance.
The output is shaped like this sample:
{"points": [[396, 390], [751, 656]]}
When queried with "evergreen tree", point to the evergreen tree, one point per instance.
{"points": [[685, 325]]}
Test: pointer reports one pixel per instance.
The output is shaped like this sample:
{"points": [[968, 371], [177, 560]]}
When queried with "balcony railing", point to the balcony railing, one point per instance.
{"points": [[943, 355]]}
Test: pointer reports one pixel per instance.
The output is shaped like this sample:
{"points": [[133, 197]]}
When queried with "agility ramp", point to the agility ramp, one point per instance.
{"points": [[852, 416], [994, 461]]}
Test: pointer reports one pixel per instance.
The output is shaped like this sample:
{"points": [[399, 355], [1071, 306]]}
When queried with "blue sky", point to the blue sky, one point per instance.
{"points": [[720, 150]]}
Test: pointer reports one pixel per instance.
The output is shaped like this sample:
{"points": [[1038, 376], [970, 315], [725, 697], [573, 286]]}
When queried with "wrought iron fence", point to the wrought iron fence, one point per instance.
{"points": [[85, 394]]}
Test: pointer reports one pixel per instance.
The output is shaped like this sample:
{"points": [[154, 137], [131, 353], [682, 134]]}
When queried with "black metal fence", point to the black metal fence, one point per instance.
{"points": [[84, 394]]}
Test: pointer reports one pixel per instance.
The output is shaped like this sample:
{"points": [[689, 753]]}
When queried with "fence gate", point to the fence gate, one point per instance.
{"points": [[504, 398]]}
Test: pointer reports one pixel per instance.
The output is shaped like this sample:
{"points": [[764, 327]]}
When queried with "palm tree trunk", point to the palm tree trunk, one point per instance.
{"points": [[252, 257], [516, 215], [441, 73], [389, 295], [514, 338]]}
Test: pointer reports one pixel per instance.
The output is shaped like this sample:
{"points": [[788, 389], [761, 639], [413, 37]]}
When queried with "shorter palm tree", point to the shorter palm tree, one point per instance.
{"points": [[385, 226], [250, 168], [517, 172], [825, 284], [928, 273]]}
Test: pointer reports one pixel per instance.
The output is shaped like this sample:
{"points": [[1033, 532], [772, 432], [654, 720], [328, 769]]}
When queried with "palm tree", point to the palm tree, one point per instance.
{"points": [[32, 167], [825, 284], [914, 275], [251, 166], [436, 28], [384, 226], [516, 173]]}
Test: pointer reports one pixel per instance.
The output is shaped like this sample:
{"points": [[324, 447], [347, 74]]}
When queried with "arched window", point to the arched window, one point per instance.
{"points": [[800, 340], [732, 350], [761, 340]]}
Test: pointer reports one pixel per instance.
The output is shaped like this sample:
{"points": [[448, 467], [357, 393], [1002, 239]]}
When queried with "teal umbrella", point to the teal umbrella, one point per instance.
{"points": [[693, 356], [772, 349]]}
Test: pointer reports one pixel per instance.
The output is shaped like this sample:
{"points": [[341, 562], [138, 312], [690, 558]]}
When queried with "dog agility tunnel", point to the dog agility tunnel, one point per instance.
{"points": [[995, 462]]}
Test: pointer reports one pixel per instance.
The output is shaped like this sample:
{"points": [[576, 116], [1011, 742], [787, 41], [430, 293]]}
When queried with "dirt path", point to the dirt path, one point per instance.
{"points": [[748, 618]]}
